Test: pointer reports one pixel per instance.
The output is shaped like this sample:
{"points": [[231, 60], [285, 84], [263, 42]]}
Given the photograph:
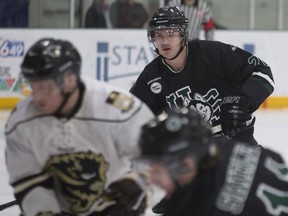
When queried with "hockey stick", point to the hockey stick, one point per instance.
{"points": [[7, 205]]}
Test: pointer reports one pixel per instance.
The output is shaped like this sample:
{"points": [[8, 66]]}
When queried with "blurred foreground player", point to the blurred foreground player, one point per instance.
{"points": [[207, 177], [69, 144]]}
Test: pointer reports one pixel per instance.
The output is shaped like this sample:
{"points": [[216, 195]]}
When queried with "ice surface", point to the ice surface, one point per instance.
{"points": [[271, 131]]}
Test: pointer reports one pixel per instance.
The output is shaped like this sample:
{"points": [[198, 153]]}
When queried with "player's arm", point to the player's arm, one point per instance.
{"points": [[249, 74], [130, 191], [143, 93], [126, 132], [32, 187], [260, 84], [138, 89], [254, 81]]}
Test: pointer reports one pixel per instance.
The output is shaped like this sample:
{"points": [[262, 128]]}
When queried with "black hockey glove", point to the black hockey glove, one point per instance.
{"points": [[130, 198], [236, 111]]}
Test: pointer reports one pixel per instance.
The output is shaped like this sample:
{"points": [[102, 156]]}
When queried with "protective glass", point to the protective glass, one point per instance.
{"points": [[24, 86]]}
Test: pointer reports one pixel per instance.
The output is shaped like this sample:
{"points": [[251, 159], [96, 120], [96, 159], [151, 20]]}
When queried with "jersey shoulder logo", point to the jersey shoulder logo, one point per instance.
{"points": [[120, 101], [156, 87]]}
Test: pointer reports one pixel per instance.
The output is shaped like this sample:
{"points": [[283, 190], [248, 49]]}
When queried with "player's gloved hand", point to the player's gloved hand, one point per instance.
{"points": [[130, 198], [236, 114]]}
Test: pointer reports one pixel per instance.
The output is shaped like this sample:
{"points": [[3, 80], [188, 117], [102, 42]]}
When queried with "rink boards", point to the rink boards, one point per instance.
{"points": [[118, 56]]}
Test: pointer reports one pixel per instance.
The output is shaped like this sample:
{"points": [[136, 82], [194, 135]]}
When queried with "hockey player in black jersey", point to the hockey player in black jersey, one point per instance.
{"points": [[208, 176], [222, 82]]}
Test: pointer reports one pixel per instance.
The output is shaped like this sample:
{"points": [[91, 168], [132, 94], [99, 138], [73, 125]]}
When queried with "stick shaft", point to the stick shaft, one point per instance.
{"points": [[7, 205]]}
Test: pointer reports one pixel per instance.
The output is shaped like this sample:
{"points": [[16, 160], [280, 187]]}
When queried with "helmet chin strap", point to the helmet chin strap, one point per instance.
{"points": [[178, 53], [66, 97]]}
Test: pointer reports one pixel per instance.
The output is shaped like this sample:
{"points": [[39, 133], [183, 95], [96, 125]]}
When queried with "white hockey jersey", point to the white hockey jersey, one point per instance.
{"points": [[66, 164]]}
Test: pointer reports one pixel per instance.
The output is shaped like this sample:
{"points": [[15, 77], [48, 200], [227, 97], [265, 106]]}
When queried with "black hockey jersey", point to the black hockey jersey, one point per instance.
{"points": [[247, 181], [213, 70]]}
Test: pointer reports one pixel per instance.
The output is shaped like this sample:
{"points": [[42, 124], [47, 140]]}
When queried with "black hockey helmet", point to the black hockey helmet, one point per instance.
{"points": [[168, 17], [50, 58], [175, 133]]}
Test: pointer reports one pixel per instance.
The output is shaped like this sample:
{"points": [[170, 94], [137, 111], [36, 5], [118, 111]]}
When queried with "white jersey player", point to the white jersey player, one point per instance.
{"points": [[70, 142]]}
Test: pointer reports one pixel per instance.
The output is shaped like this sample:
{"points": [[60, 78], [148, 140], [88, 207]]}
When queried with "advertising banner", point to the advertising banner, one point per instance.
{"points": [[118, 56]]}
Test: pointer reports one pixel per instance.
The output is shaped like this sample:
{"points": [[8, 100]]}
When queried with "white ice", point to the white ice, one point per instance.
{"points": [[270, 131]]}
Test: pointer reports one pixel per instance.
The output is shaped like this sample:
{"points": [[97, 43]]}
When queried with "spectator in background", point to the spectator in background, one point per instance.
{"points": [[95, 17], [127, 14], [200, 16], [14, 13]]}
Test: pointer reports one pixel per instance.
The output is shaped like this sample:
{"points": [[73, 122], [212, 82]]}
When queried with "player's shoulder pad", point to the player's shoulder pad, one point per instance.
{"points": [[24, 111], [211, 45], [120, 100]]}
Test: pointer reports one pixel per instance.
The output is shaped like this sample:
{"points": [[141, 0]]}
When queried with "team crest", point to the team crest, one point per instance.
{"points": [[207, 105], [80, 177], [200, 105]]}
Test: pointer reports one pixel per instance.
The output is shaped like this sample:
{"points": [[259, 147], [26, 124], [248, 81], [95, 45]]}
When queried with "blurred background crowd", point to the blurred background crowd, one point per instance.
{"points": [[232, 14]]}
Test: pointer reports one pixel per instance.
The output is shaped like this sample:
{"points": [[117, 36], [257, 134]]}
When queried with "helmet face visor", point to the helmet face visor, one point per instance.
{"points": [[168, 169], [166, 35], [168, 18]]}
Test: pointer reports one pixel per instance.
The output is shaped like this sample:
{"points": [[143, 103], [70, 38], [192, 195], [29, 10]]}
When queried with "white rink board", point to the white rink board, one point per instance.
{"points": [[118, 56], [270, 131]]}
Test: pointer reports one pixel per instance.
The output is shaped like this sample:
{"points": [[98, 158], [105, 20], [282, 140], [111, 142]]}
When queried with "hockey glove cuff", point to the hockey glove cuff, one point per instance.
{"points": [[236, 114], [131, 199]]}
